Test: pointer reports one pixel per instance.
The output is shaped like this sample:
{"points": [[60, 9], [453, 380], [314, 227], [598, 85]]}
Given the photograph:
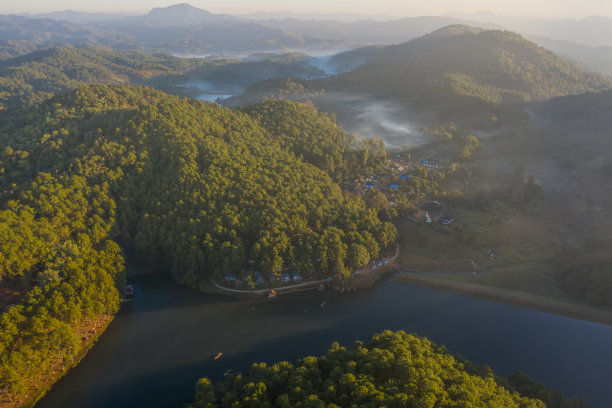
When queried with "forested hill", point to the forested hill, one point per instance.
{"points": [[317, 139], [183, 185], [392, 370], [41, 74], [492, 65], [198, 188]]}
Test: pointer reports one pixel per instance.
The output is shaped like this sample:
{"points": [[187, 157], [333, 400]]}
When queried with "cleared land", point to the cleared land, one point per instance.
{"points": [[573, 209]]}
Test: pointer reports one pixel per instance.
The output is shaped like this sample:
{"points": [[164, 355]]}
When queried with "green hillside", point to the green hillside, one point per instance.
{"points": [[41, 74], [317, 139], [182, 185], [391, 370], [475, 78], [495, 66]]}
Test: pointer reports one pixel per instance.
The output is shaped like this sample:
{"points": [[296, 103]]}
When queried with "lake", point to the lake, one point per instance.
{"points": [[157, 347]]}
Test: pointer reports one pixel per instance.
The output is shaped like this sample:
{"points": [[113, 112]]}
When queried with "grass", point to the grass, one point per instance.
{"points": [[521, 274]]}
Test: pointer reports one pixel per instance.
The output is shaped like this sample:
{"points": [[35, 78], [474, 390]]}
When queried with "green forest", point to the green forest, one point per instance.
{"points": [[41, 74], [492, 65], [460, 74], [95, 173], [391, 370], [182, 185]]}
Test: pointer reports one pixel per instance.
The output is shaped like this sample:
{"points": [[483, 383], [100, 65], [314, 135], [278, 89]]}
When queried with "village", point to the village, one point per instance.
{"points": [[396, 181]]}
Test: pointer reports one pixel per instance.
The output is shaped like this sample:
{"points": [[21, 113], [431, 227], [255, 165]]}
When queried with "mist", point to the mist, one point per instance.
{"points": [[371, 117]]}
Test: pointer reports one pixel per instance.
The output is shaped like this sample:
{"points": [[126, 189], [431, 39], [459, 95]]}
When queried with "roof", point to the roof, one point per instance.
{"points": [[447, 219], [432, 206]]}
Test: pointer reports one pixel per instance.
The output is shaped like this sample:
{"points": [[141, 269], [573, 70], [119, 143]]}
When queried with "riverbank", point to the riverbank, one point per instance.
{"points": [[91, 334], [564, 306], [276, 291], [362, 278]]}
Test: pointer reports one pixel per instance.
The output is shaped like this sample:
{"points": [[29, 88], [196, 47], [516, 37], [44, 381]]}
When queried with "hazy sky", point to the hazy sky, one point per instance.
{"points": [[399, 8]]}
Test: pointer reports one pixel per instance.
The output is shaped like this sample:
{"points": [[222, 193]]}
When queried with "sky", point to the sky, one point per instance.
{"points": [[399, 8]]}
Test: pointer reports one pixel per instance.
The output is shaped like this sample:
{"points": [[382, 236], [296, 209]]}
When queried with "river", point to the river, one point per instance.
{"points": [[158, 345]]}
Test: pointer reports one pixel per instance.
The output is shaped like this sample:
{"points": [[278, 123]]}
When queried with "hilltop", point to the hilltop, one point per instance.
{"points": [[181, 15], [470, 76], [491, 65]]}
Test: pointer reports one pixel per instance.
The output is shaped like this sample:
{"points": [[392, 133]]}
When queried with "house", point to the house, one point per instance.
{"points": [[446, 220], [393, 186], [230, 277], [285, 278], [434, 209], [257, 278], [295, 276]]}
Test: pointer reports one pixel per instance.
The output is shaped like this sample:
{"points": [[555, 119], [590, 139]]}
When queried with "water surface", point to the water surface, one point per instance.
{"points": [[160, 344]]}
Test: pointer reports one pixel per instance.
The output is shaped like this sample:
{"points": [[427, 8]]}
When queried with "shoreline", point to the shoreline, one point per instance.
{"points": [[38, 394], [527, 300]]}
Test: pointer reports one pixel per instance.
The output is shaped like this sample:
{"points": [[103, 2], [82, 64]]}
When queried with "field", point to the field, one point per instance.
{"points": [[574, 208]]}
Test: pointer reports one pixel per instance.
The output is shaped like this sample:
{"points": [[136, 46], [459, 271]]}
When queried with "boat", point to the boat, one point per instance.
{"points": [[323, 303], [228, 372], [272, 294], [128, 291], [218, 355]]}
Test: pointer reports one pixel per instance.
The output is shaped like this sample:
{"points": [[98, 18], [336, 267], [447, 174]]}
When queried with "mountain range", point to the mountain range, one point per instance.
{"points": [[186, 30], [454, 74], [493, 65]]}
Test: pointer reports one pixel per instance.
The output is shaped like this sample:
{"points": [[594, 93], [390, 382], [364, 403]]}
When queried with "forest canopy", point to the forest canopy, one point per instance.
{"points": [[179, 184], [200, 189], [391, 370]]}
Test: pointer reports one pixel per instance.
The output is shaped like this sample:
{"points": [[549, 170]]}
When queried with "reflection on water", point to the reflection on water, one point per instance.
{"points": [[162, 342]]}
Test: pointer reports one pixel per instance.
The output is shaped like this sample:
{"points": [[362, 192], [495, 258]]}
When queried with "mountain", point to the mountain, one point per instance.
{"points": [[186, 30], [181, 15], [370, 31], [78, 17], [20, 35], [158, 32], [587, 114], [593, 58], [41, 74], [593, 31], [343, 17], [469, 76], [492, 65]]}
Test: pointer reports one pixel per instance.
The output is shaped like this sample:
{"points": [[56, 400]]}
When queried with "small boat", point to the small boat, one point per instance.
{"points": [[218, 355], [128, 291], [323, 303], [272, 294], [228, 372]]}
